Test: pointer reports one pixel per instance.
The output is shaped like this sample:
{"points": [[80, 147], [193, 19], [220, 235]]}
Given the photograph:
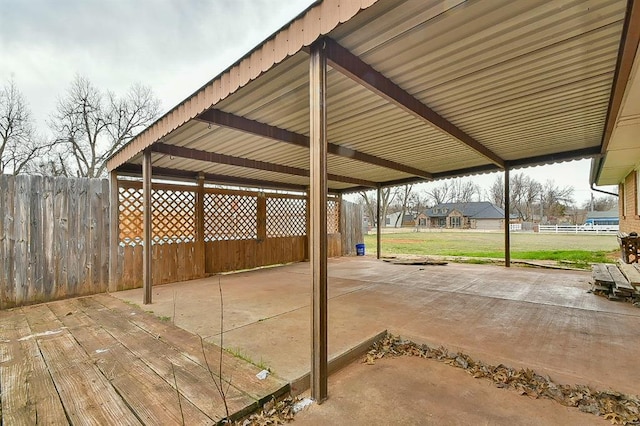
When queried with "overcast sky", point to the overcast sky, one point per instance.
{"points": [[173, 46]]}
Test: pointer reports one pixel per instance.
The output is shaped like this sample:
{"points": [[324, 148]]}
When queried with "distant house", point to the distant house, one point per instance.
{"points": [[472, 215], [393, 220]]}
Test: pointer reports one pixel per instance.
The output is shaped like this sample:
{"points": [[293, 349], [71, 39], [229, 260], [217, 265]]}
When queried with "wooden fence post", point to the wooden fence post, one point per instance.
{"points": [[114, 230]]}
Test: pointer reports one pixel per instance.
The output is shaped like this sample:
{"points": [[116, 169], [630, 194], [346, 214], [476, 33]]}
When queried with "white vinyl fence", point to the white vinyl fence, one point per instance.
{"points": [[578, 229]]}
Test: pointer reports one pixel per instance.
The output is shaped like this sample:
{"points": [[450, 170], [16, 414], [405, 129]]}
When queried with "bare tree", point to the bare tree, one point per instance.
{"points": [[454, 191], [18, 144], [404, 193], [369, 199], [601, 204], [495, 193], [524, 195], [556, 199], [92, 125]]}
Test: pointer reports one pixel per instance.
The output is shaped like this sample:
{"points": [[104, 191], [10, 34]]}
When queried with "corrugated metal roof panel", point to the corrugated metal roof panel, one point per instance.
{"points": [[524, 79]]}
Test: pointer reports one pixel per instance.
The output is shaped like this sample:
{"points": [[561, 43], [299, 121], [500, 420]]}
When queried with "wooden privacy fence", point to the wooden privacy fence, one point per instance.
{"points": [[198, 231], [54, 236], [55, 233]]}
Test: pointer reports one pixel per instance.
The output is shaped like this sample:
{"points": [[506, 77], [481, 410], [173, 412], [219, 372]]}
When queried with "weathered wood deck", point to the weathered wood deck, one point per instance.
{"points": [[97, 360]]}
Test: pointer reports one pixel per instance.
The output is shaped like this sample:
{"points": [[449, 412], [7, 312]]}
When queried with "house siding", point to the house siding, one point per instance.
{"points": [[628, 204]]}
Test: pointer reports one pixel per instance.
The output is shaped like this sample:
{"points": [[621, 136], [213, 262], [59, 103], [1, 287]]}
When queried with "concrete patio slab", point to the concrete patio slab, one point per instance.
{"points": [[521, 317]]}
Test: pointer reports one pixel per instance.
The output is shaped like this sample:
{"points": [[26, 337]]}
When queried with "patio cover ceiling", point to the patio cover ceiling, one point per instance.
{"points": [[417, 90]]}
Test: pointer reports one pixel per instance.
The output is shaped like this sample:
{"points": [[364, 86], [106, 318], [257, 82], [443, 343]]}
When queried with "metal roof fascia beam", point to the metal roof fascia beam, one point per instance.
{"points": [[626, 56], [131, 169], [362, 73], [225, 119], [211, 157]]}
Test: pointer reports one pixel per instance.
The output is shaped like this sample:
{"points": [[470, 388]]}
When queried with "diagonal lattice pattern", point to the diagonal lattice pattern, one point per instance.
{"points": [[333, 216], [130, 215], [286, 217], [173, 216], [230, 217], [227, 215]]}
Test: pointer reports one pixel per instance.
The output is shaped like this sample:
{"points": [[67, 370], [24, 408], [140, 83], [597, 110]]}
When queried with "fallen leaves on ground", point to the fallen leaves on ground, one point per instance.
{"points": [[618, 408], [273, 413]]}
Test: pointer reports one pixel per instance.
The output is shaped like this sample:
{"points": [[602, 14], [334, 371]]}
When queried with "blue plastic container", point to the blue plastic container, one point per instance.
{"points": [[360, 249]]}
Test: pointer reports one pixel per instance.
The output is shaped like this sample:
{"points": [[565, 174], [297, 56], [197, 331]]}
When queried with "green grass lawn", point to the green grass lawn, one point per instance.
{"points": [[572, 248]]}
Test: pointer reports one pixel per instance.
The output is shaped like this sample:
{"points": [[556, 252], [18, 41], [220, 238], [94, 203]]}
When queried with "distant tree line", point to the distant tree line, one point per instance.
{"points": [[529, 199], [88, 126]]}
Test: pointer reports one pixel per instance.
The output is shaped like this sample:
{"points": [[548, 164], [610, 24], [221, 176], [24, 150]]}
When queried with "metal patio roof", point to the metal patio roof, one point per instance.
{"points": [[417, 90]]}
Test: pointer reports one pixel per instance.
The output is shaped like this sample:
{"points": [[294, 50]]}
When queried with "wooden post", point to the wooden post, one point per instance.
{"points": [[318, 209], [507, 214], [114, 230], [199, 246], [378, 224], [261, 212], [146, 213]]}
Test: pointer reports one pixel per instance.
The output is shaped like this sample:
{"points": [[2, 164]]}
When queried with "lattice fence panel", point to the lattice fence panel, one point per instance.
{"points": [[333, 216], [230, 217], [173, 216], [286, 217], [130, 215]]}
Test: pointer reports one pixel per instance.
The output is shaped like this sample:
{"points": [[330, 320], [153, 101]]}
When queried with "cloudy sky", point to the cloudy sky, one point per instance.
{"points": [[173, 46]]}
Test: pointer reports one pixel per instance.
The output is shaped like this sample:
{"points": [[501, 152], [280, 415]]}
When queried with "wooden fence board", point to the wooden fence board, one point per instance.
{"points": [[83, 233], [53, 238], [61, 209], [5, 259], [36, 289], [48, 238], [72, 237], [105, 227], [21, 247]]}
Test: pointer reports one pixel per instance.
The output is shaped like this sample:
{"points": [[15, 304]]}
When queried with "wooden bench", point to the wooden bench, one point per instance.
{"points": [[628, 247]]}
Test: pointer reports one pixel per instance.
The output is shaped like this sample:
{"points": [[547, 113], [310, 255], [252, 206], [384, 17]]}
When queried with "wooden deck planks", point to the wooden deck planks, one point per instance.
{"points": [[152, 399], [86, 394], [631, 273], [90, 361], [601, 274], [193, 380], [243, 374], [28, 393], [619, 278]]}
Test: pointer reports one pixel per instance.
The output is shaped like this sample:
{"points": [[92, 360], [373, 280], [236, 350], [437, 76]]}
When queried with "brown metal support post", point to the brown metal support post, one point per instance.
{"points": [[318, 210], [507, 215], [114, 230], [307, 219], [200, 249], [146, 213], [378, 224]]}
